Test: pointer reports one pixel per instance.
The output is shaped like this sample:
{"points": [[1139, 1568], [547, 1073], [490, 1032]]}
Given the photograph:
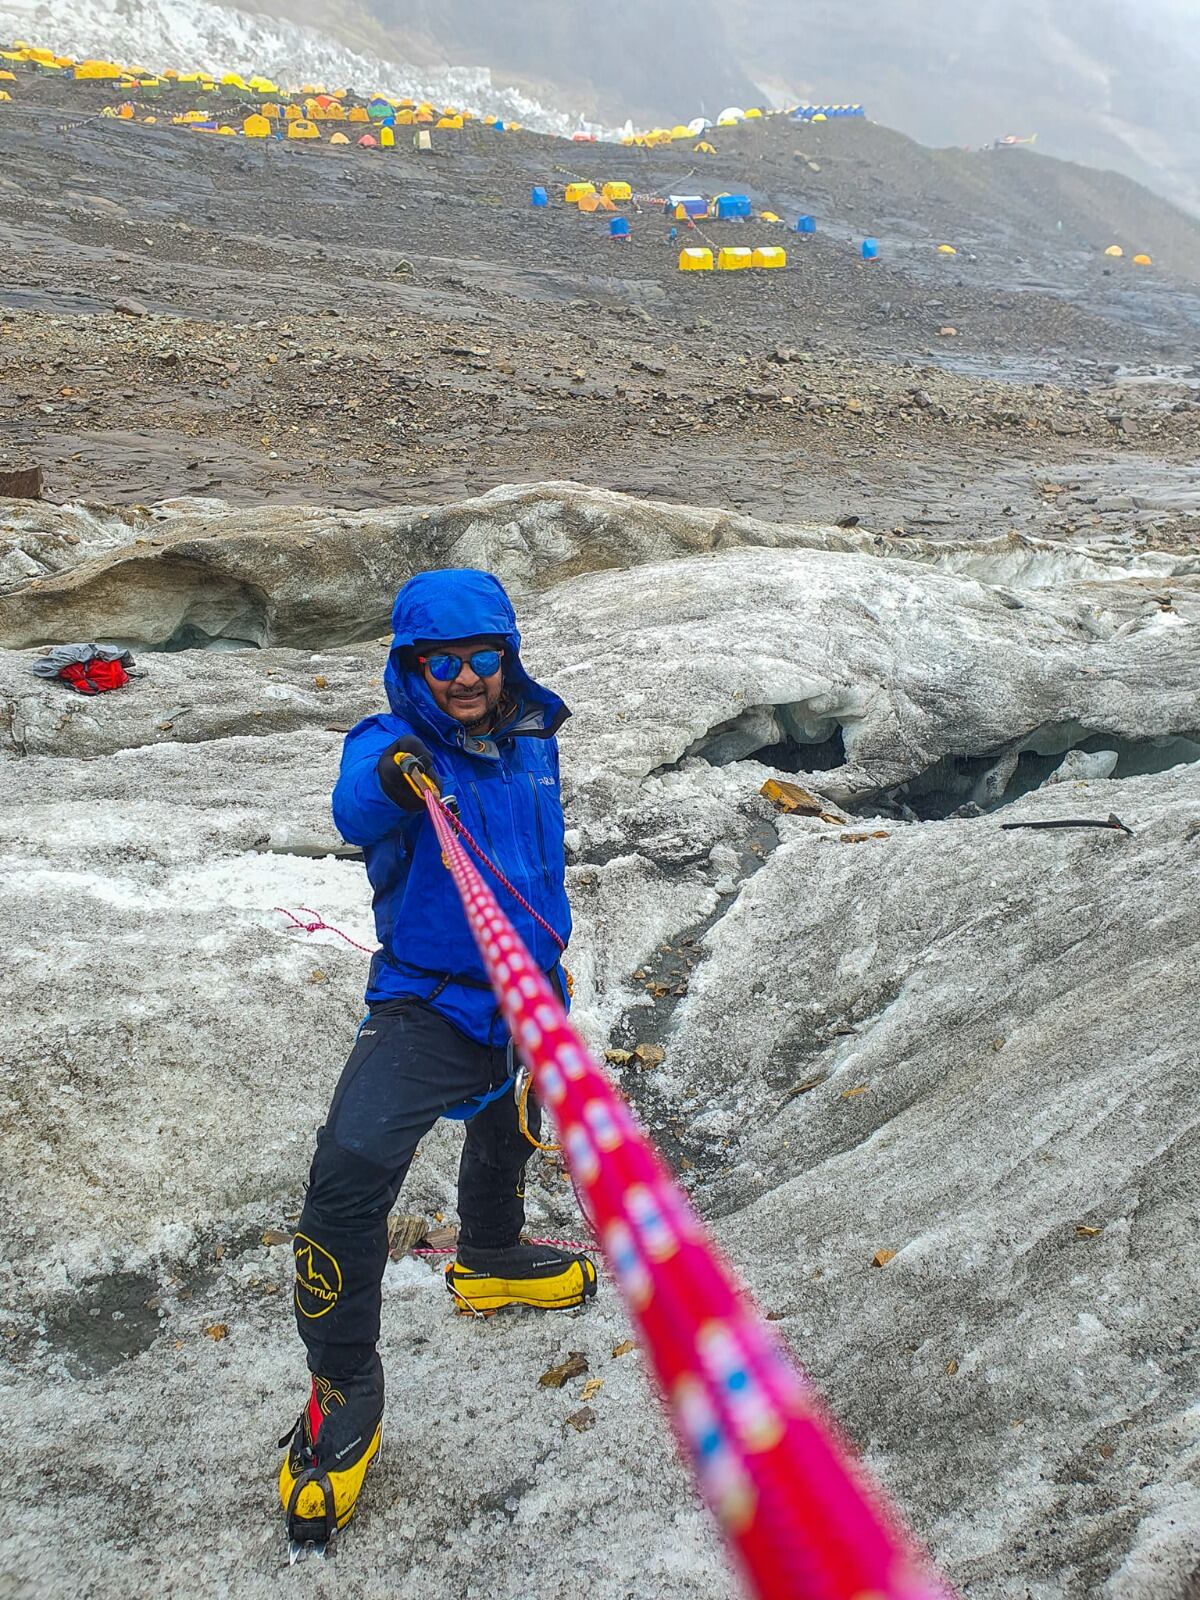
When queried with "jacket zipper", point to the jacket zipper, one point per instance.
{"points": [[487, 832], [541, 831]]}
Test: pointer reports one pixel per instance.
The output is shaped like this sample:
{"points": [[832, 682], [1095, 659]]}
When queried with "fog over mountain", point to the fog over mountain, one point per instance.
{"points": [[1107, 83], [1104, 82]]}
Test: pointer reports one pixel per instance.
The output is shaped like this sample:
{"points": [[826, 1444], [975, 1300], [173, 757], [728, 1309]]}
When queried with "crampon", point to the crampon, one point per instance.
{"points": [[334, 1441], [486, 1281]]}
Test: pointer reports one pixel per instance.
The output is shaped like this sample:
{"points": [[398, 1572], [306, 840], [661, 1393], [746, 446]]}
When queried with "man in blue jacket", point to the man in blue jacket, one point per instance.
{"points": [[465, 712]]}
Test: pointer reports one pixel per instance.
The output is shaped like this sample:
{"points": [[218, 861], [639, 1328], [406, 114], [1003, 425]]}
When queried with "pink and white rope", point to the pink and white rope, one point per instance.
{"points": [[801, 1517]]}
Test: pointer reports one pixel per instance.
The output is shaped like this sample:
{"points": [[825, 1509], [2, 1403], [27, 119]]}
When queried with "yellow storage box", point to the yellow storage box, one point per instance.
{"points": [[576, 191], [617, 191], [770, 255], [735, 258]]}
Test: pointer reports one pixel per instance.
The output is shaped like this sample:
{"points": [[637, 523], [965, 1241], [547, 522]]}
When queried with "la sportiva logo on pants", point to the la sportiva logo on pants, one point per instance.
{"points": [[318, 1277]]}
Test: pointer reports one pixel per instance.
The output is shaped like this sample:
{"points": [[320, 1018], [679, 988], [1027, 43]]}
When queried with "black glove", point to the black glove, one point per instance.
{"points": [[401, 756]]}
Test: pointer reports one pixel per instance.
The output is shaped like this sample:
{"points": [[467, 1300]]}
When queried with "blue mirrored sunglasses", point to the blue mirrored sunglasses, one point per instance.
{"points": [[446, 667]]}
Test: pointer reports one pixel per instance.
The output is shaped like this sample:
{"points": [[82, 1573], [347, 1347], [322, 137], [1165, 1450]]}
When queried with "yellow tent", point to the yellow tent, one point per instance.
{"points": [[753, 112], [450, 122], [232, 81], [946, 250], [303, 129], [695, 260], [704, 149], [338, 138], [617, 191], [576, 191], [256, 127], [230, 133], [293, 113], [769, 216], [97, 70], [193, 116], [1142, 261], [735, 258], [770, 255], [680, 132], [595, 202], [4, 95], [270, 110], [387, 139], [357, 114], [264, 86], [1114, 250], [8, 77]]}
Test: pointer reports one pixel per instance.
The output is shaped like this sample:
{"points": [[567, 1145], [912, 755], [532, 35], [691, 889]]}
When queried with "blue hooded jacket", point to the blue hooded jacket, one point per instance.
{"points": [[507, 787]]}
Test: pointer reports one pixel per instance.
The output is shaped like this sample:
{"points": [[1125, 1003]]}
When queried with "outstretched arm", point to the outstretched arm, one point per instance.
{"points": [[372, 798]]}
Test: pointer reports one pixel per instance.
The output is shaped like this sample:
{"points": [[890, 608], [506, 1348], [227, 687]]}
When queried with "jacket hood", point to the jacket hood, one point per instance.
{"points": [[461, 603]]}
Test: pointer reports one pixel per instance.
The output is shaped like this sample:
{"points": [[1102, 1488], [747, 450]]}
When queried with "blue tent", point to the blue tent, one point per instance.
{"points": [[734, 205]]}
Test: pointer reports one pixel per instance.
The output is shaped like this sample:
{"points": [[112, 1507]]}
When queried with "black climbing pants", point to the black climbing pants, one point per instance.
{"points": [[408, 1067]]}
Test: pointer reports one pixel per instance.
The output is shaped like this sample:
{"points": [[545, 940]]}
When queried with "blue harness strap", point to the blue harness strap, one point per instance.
{"points": [[472, 1107]]}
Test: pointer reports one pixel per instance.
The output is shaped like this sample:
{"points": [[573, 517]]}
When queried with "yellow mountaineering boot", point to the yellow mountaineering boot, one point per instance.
{"points": [[335, 1439], [484, 1281]]}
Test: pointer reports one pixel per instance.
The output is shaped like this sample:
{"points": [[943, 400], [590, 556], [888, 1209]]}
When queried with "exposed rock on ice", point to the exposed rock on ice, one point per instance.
{"points": [[970, 1047]]}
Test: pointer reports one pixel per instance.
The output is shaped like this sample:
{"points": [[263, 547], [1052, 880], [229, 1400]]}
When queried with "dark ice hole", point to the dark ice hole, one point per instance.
{"points": [[788, 756], [959, 783]]}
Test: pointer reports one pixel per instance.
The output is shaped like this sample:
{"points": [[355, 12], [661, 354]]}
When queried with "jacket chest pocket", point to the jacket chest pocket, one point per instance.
{"points": [[519, 823], [540, 792]]}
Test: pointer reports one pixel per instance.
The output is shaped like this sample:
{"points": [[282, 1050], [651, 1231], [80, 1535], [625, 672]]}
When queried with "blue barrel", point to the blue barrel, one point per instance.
{"points": [[618, 228], [538, 196], [805, 225], [870, 249]]}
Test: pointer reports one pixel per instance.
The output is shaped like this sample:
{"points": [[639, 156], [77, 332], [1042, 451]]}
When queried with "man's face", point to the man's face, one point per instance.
{"points": [[468, 698]]}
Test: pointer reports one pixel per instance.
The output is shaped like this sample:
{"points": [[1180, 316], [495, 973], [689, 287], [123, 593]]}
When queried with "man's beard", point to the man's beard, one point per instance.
{"points": [[504, 707], [488, 717]]}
